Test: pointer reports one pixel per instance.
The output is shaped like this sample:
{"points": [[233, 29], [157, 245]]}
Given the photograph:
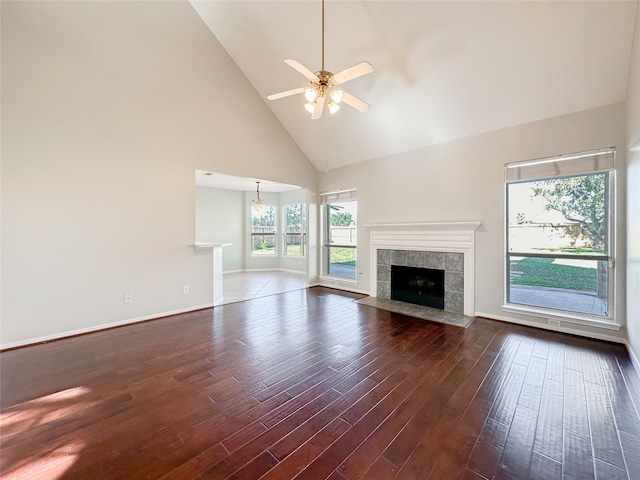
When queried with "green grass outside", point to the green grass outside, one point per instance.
{"points": [[542, 272], [293, 249], [342, 256]]}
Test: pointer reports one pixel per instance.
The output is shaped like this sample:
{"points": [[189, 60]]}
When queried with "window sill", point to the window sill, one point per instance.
{"points": [[555, 317]]}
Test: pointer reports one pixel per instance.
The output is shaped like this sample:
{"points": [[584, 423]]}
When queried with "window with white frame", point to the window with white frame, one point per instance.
{"points": [[263, 230], [294, 229], [340, 233], [560, 236]]}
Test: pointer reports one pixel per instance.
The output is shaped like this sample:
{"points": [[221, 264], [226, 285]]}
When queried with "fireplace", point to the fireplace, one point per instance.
{"points": [[422, 286], [447, 246], [451, 264]]}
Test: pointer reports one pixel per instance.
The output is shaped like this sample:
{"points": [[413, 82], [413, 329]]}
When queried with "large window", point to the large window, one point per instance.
{"points": [[263, 230], [340, 230], [294, 229], [559, 234]]}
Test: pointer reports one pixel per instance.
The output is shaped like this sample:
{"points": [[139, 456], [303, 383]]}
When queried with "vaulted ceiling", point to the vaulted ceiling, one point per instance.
{"points": [[443, 70]]}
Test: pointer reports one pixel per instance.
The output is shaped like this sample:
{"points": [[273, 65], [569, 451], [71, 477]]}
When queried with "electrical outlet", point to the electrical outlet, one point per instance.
{"points": [[185, 289], [128, 297], [554, 322]]}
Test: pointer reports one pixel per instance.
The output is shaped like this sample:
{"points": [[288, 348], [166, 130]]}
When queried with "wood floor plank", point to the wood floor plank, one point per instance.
{"points": [[458, 394], [504, 407], [331, 458], [576, 415], [622, 404], [256, 467], [485, 457], [577, 463], [310, 384], [610, 472], [306, 430], [555, 362], [453, 461], [544, 468], [531, 393], [549, 432], [518, 449], [260, 443], [604, 433], [423, 456], [631, 450], [298, 460], [382, 469], [572, 358]]}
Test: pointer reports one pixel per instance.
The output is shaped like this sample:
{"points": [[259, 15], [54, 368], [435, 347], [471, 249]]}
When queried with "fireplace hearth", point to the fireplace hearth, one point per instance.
{"points": [[421, 286]]}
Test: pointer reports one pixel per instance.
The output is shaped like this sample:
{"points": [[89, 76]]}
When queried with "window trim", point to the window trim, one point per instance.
{"points": [[341, 196], [561, 316], [274, 234], [303, 231], [554, 316]]}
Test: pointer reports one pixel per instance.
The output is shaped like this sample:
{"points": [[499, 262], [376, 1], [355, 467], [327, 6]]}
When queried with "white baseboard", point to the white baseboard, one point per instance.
{"points": [[105, 326], [249, 270], [341, 286], [561, 329], [287, 270], [634, 359], [97, 328]]}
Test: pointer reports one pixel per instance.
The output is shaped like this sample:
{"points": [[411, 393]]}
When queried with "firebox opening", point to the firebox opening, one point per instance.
{"points": [[421, 286]]}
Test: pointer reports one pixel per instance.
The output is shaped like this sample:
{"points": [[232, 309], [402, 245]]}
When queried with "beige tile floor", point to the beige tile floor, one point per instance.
{"points": [[241, 286]]}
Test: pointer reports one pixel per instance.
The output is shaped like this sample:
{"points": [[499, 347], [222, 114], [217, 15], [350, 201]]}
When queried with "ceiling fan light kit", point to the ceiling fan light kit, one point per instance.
{"points": [[322, 88]]}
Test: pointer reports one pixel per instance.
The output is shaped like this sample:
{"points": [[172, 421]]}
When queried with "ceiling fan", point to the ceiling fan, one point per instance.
{"points": [[323, 86]]}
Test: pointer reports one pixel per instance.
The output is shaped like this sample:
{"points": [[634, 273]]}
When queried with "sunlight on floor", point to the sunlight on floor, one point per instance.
{"points": [[51, 465], [41, 410], [54, 458]]}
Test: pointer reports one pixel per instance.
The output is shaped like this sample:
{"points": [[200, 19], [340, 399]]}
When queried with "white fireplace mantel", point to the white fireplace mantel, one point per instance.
{"points": [[456, 237]]}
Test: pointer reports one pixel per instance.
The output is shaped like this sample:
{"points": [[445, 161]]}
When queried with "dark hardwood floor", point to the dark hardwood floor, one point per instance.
{"points": [[311, 385]]}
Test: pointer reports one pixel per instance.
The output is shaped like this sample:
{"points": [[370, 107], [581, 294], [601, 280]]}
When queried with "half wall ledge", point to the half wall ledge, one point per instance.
{"points": [[216, 264]]}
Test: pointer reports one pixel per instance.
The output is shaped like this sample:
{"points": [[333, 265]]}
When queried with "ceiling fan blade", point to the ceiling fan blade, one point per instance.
{"points": [[317, 112], [353, 72], [294, 91], [302, 69], [355, 102]]}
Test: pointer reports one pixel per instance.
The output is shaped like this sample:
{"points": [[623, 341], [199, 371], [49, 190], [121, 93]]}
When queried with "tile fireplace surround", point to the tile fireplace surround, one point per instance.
{"points": [[449, 246], [451, 263]]}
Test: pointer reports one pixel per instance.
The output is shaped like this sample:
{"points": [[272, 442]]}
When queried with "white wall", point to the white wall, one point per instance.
{"points": [[220, 219], [464, 181], [108, 108], [633, 184]]}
